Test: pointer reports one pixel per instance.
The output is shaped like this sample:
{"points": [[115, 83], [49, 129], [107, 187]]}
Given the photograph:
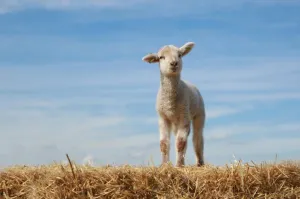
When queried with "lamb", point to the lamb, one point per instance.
{"points": [[178, 104]]}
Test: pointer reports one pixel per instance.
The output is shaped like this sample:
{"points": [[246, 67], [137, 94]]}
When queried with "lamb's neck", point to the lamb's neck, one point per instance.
{"points": [[170, 87]]}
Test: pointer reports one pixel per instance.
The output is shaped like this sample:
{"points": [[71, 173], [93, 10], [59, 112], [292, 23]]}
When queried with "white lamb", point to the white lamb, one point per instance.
{"points": [[178, 105]]}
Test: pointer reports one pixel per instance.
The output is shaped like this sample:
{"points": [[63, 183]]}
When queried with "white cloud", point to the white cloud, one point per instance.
{"points": [[11, 5], [255, 97], [247, 74], [290, 127], [166, 8], [220, 111], [223, 132], [122, 141], [106, 140], [226, 131], [258, 76], [257, 150], [35, 103], [141, 148], [54, 126], [265, 146], [278, 2], [89, 160]]}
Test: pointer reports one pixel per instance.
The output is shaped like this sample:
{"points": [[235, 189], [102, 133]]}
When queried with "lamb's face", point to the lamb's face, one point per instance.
{"points": [[169, 58], [170, 62]]}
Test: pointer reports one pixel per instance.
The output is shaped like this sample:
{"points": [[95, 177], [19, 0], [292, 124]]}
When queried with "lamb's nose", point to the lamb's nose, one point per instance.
{"points": [[173, 63]]}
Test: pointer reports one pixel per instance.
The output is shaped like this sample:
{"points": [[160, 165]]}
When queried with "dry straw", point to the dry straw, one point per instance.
{"points": [[73, 181]]}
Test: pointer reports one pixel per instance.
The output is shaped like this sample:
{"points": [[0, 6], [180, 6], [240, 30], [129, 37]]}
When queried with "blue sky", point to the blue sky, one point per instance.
{"points": [[73, 80]]}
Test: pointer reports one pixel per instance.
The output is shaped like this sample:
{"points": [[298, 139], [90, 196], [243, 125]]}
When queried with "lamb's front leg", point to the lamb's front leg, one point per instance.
{"points": [[164, 130], [181, 144]]}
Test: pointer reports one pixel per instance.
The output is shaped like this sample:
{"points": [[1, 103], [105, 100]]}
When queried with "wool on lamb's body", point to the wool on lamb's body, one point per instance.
{"points": [[178, 101], [178, 104]]}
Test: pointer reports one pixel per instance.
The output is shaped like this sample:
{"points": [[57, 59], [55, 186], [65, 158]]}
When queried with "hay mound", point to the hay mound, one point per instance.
{"points": [[238, 181]]}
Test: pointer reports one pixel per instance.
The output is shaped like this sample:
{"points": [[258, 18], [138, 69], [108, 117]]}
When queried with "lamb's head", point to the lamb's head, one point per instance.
{"points": [[169, 58]]}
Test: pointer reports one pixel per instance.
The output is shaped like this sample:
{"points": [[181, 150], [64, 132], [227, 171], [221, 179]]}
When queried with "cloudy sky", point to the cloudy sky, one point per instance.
{"points": [[72, 78]]}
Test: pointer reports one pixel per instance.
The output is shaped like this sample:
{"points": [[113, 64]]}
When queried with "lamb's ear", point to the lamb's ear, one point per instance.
{"points": [[151, 58], [186, 48]]}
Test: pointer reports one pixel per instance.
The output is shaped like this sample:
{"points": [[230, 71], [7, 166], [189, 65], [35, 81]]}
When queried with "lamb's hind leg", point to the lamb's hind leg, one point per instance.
{"points": [[198, 142]]}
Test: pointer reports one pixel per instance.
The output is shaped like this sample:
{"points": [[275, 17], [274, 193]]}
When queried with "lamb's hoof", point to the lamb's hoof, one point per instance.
{"points": [[200, 164], [179, 165]]}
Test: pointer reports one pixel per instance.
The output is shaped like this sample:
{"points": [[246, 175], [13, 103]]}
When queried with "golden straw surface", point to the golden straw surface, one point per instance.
{"points": [[57, 181]]}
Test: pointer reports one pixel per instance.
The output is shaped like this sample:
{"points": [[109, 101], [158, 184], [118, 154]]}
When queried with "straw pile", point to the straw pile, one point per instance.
{"points": [[58, 181]]}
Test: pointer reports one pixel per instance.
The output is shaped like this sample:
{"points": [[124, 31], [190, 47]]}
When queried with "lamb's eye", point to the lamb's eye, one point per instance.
{"points": [[179, 55], [162, 57]]}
